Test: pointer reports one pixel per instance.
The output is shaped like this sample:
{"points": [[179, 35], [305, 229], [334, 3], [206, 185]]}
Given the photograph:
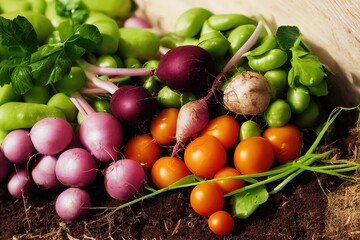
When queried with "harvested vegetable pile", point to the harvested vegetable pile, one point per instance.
{"points": [[109, 129]]}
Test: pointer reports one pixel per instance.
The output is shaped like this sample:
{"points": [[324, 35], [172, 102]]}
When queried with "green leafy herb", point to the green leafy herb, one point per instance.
{"points": [[28, 64], [245, 203], [286, 36], [72, 9]]}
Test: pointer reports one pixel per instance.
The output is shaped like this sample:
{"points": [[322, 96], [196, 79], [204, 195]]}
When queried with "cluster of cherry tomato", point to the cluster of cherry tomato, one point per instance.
{"points": [[218, 151]]}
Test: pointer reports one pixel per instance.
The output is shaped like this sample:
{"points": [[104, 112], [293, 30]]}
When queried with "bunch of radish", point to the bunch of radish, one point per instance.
{"points": [[47, 156]]}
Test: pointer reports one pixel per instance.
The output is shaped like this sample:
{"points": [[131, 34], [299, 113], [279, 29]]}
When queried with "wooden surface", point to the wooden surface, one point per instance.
{"points": [[331, 27]]}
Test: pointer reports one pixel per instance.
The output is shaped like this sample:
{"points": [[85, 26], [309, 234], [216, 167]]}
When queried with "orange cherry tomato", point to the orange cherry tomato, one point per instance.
{"points": [[225, 128], [163, 126], [167, 170], [230, 184], [221, 223], [205, 156], [207, 198], [287, 142], [143, 149], [253, 155]]}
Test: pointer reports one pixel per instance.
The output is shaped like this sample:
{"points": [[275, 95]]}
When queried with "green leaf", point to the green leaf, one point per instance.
{"points": [[17, 36], [73, 51], [66, 30], [21, 79], [245, 203], [286, 36], [73, 9], [307, 68], [90, 37], [45, 51], [51, 69]]}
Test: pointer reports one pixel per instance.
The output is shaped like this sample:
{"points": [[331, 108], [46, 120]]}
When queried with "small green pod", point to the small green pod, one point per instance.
{"points": [[153, 85], [249, 129], [319, 90], [268, 42], [239, 36], [278, 82], [72, 82], [138, 43], [109, 61], [38, 94], [16, 115], [7, 94], [63, 102], [101, 105], [12, 6], [278, 113], [120, 9], [189, 23], [215, 43], [206, 28], [109, 31], [170, 98], [298, 99], [227, 21], [309, 117], [270, 60]]}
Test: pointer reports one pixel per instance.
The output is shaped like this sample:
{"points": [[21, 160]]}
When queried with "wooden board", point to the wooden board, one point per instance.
{"points": [[332, 29]]}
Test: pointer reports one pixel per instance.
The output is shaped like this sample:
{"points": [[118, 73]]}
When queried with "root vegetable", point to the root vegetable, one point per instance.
{"points": [[76, 168], [72, 204], [124, 179], [17, 146], [43, 173], [51, 135], [249, 93], [20, 184]]}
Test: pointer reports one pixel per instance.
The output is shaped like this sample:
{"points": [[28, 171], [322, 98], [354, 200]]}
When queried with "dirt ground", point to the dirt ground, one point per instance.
{"points": [[311, 207]]}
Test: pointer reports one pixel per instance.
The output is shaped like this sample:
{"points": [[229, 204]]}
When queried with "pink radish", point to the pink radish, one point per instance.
{"points": [[19, 183], [76, 167], [124, 179], [51, 135], [73, 203], [17, 146], [43, 172]]}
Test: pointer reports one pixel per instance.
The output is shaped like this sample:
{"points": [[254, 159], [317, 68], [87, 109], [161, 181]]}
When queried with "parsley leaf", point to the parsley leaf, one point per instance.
{"points": [[286, 36], [76, 10]]}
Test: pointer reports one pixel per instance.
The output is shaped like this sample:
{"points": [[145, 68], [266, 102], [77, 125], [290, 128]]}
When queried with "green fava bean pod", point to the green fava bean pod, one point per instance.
{"points": [[298, 99], [319, 90], [38, 94], [101, 105], [72, 82], [249, 129], [224, 22], [308, 118], [16, 115], [278, 82], [191, 21], [215, 43], [138, 43], [7, 94], [270, 60], [113, 8], [278, 113], [169, 98], [239, 36], [63, 102]]}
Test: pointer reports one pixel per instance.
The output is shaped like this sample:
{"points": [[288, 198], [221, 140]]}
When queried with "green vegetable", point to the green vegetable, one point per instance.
{"points": [[224, 22], [239, 36], [278, 82], [101, 105], [120, 9], [308, 117], [170, 98], [215, 43], [245, 203], [63, 102], [38, 94], [138, 43], [298, 99], [249, 129], [268, 43], [15, 115], [306, 67], [30, 65], [319, 90], [7, 94], [278, 113], [272, 59], [72, 82], [189, 23]]}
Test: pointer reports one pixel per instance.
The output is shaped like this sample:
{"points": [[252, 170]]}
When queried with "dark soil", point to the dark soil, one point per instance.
{"points": [[297, 212]]}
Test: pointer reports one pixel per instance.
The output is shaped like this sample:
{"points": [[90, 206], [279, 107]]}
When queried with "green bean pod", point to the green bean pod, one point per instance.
{"points": [[278, 113], [268, 42], [298, 99], [227, 21], [191, 21], [7, 94], [120, 9], [319, 90], [270, 60], [278, 82], [214, 43], [239, 36], [308, 117], [16, 115]]}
